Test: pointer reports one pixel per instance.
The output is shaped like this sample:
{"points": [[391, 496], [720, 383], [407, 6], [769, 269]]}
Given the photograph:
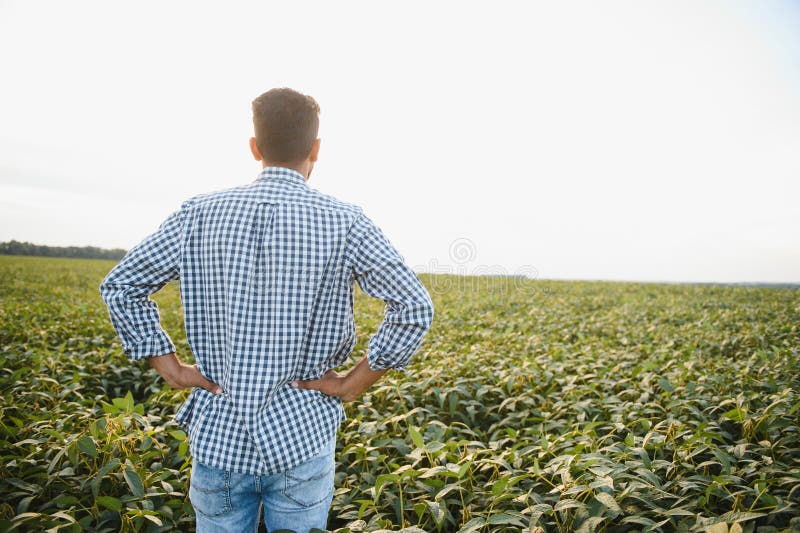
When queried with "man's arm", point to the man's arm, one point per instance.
{"points": [[349, 387], [381, 273], [180, 375], [126, 291]]}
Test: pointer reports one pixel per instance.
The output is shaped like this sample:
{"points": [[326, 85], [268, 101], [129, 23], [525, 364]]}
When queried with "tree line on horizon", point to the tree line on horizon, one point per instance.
{"points": [[80, 252]]}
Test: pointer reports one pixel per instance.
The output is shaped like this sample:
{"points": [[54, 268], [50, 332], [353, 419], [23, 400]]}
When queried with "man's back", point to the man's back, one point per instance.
{"points": [[266, 273]]}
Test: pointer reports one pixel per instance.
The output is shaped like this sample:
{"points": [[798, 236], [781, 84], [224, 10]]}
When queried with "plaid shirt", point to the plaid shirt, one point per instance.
{"points": [[266, 274]]}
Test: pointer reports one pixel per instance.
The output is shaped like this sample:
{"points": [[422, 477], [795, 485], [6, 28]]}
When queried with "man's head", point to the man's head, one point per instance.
{"points": [[286, 125]]}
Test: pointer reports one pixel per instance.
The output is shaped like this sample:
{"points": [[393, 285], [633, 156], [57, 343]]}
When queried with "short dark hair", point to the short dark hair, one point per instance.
{"points": [[286, 125]]}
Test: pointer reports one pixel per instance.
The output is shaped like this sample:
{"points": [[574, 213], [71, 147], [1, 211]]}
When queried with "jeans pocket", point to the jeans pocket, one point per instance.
{"points": [[209, 490], [310, 483]]}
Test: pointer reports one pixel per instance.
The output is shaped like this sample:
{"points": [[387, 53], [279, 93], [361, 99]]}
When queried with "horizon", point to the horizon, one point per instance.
{"points": [[741, 283], [621, 142]]}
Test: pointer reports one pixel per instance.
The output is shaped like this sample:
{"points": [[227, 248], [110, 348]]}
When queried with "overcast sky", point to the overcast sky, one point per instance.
{"points": [[593, 140]]}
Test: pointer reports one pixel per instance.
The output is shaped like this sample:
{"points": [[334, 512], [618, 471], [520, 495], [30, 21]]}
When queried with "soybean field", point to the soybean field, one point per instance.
{"points": [[532, 405]]}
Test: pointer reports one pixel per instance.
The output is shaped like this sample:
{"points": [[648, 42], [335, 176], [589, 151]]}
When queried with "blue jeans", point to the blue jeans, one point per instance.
{"points": [[298, 499]]}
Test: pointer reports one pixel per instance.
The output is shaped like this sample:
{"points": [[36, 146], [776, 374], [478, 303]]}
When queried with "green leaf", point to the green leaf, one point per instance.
{"points": [[416, 437], [108, 467], [434, 446], [473, 525], [24, 517], [590, 524], [154, 519], [737, 415], [65, 500], [177, 434], [609, 501], [446, 490], [134, 483], [109, 502], [541, 508], [566, 504], [128, 403], [641, 520], [23, 504], [382, 480], [72, 452], [666, 385], [462, 470], [740, 516], [433, 471], [111, 409], [86, 445], [436, 511], [505, 519], [105, 469], [499, 485], [65, 516], [183, 447]]}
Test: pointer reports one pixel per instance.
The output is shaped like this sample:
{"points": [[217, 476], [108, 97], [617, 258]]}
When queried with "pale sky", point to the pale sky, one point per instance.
{"points": [[584, 140]]}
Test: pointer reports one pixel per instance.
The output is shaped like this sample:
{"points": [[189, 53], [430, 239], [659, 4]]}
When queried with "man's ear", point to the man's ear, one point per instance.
{"points": [[313, 155], [254, 149]]}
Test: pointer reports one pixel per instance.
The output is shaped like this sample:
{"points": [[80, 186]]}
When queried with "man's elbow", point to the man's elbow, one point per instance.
{"points": [[426, 313], [103, 289], [112, 287], [108, 292]]}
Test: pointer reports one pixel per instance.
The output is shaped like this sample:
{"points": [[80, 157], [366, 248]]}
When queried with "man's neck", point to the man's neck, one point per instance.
{"points": [[303, 167]]}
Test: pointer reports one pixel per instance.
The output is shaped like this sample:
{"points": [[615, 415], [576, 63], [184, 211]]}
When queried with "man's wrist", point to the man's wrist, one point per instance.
{"points": [[345, 388], [168, 366], [184, 375]]}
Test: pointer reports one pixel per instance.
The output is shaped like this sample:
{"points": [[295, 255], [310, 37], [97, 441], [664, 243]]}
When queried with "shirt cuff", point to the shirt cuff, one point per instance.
{"points": [[382, 362], [152, 346]]}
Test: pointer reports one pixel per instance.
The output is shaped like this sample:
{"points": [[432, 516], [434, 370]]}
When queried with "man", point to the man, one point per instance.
{"points": [[266, 275]]}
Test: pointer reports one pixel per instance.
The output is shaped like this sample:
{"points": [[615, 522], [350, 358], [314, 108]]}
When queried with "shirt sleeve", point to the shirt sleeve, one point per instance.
{"points": [[127, 288], [381, 273]]}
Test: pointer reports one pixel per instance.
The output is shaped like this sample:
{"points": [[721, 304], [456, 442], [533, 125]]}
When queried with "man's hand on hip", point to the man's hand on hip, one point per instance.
{"points": [[180, 375], [349, 387]]}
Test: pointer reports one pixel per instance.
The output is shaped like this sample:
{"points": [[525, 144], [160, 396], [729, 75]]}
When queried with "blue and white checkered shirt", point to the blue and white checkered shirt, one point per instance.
{"points": [[266, 274]]}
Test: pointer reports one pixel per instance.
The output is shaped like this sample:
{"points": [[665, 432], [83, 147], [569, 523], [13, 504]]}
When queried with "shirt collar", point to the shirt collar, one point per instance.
{"points": [[283, 174]]}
